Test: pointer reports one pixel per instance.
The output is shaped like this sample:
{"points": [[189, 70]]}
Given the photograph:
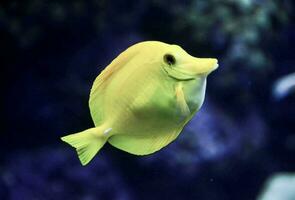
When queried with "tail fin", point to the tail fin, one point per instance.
{"points": [[87, 143]]}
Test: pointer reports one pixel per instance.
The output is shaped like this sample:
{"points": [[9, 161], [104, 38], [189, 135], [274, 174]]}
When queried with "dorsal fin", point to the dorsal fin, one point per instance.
{"points": [[121, 60], [101, 81]]}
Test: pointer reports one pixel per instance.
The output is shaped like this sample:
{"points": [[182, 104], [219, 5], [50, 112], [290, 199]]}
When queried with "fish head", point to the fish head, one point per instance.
{"points": [[179, 65]]}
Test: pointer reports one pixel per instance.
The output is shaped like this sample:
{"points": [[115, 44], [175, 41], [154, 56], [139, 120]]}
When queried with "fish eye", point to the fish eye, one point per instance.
{"points": [[169, 59]]}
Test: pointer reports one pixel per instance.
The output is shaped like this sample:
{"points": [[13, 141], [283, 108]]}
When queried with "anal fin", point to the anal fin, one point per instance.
{"points": [[143, 144]]}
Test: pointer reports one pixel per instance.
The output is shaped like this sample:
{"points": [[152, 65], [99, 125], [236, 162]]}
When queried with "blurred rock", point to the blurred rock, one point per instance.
{"points": [[284, 86], [279, 187]]}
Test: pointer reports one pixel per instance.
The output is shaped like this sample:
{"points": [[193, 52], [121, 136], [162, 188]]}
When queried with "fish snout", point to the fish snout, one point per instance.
{"points": [[199, 66], [206, 65]]}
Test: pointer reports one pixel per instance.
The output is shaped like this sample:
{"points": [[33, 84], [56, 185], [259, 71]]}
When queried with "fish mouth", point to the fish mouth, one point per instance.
{"points": [[216, 66], [210, 70]]}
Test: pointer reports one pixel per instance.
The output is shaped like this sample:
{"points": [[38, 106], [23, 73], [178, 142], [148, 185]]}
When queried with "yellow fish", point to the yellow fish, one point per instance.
{"points": [[142, 100]]}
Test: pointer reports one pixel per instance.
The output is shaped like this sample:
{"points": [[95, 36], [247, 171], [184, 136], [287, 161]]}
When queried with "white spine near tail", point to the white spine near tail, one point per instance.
{"points": [[87, 143]]}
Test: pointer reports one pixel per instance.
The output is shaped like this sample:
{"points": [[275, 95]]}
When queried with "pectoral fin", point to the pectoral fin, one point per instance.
{"points": [[181, 100]]}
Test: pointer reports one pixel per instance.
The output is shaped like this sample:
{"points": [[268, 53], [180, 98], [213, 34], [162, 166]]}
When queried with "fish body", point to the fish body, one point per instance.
{"points": [[143, 99]]}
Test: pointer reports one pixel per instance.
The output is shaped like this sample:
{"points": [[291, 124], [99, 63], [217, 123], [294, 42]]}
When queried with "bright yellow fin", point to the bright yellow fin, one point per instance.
{"points": [[87, 143], [98, 88], [181, 100], [139, 145]]}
